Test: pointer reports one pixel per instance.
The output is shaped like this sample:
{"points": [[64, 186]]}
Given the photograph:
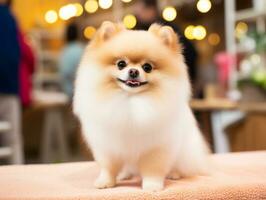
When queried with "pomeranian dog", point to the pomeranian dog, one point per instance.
{"points": [[132, 97]]}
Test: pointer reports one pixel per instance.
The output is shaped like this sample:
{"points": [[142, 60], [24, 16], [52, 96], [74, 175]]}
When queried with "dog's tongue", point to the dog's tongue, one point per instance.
{"points": [[132, 82]]}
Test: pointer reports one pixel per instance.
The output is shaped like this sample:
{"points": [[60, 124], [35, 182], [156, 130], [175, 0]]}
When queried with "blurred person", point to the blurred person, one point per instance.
{"points": [[69, 58], [26, 69], [9, 81], [9, 51], [147, 13]]}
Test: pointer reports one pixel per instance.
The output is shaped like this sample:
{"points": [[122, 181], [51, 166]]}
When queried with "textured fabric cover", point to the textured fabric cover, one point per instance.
{"points": [[238, 176]]}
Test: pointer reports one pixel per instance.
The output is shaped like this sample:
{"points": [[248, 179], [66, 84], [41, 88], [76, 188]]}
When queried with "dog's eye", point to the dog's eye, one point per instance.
{"points": [[147, 67], [121, 64]]}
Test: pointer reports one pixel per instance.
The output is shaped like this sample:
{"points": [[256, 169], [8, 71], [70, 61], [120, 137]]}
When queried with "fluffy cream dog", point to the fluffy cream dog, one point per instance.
{"points": [[132, 98]]}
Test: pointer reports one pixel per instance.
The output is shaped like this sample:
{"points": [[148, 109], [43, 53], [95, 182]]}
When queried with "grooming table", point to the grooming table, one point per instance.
{"points": [[238, 176]]}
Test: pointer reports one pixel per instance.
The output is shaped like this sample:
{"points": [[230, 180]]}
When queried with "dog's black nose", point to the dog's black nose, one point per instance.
{"points": [[133, 73]]}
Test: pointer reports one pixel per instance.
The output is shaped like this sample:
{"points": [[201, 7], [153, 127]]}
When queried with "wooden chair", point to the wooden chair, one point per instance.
{"points": [[10, 152]]}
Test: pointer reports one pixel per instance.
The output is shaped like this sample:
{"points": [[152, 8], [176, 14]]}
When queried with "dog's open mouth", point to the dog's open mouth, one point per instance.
{"points": [[132, 82]]}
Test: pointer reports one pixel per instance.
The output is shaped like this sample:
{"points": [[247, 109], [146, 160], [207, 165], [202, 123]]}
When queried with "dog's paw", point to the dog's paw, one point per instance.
{"points": [[101, 183], [104, 181], [173, 175], [152, 184]]}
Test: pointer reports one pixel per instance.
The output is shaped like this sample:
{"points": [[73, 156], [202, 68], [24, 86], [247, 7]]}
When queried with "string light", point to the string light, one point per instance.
{"points": [[241, 29], [68, 11], [130, 21], [105, 4], [89, 32], [79, 9], [204, 6], [91, 6], [169, 13], [214, 39], [189, 32], [199, 32], [195, 32], [50, 16]]}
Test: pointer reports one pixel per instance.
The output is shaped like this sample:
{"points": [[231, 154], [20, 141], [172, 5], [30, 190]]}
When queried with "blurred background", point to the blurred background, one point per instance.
{"points": [[42, 41]]}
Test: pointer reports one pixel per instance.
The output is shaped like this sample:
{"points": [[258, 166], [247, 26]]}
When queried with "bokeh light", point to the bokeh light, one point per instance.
{"points": [[169, 13], [195, 32], [214, 39], [79, 9], [189, 32], [130, 21], [241, 29], [126, 1], [91, 6], [68, 11], [51, 16], [105, 4], [89, 32], [204, 6], [199, 32], [259, 76], [255, 59]]}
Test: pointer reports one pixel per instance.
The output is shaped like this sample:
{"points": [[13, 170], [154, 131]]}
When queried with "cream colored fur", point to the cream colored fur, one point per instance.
{"points": [[148, 130]]}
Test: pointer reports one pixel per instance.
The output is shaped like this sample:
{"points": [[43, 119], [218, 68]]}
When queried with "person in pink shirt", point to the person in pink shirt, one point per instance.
{"points": [[26, 69]]}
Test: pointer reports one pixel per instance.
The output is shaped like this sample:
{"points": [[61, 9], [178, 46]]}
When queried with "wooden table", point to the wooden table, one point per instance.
{"points": [[223, 112], [226, 104]]}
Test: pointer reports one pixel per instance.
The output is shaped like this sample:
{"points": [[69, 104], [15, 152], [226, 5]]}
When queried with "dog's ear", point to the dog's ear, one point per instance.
{"points": [[107, 30], [167, 35]]}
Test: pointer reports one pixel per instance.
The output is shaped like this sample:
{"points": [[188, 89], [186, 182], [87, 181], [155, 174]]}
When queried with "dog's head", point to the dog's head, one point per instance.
{"points": [[135, 61]]}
